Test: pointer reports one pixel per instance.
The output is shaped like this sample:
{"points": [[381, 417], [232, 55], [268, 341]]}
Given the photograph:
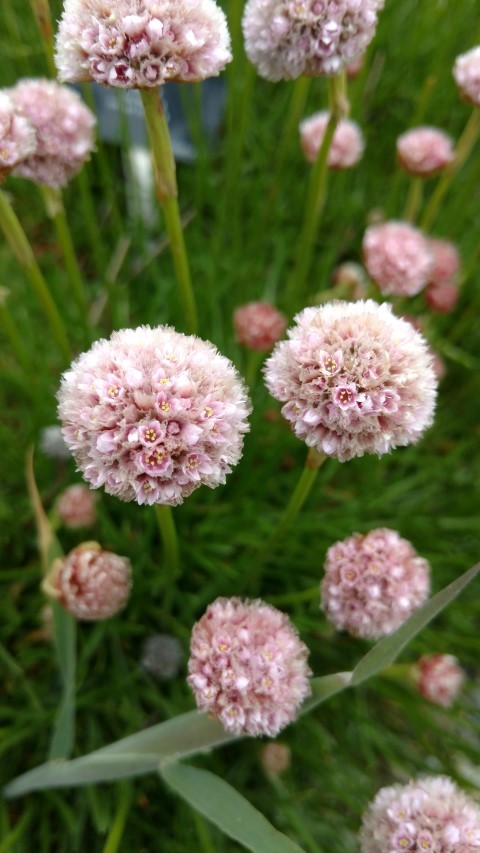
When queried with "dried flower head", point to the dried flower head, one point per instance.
{"points": [[90, 583], [373, 583], [398, 258], [76, 507], [446, 261], [466, 72], [17, 135], [439, 678], [429, 814], [152, 414], [441, 298], [275, 758], [139, 44], [259, 325], [248, 666], [287, 38], [347, 145], [162, 656], [354, 379], [65, 130], [53, 444], [424, 151]]}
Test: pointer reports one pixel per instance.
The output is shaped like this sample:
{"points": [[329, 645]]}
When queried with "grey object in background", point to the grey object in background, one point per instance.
{"points": [[162, 656]]}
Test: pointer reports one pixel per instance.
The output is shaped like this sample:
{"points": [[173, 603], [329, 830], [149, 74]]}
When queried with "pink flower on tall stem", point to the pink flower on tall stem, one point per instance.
{"points": [[429, 814], [258, 325], [398, 258], [466, 72], [17, 135], [347, 145], [152, 414], [141, 43], [424, 151], [439, 678], [248, 666], [354, 379]]}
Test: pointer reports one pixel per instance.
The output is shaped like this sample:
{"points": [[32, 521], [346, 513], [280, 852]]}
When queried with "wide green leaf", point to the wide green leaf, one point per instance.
{"points": [[221, 804]]}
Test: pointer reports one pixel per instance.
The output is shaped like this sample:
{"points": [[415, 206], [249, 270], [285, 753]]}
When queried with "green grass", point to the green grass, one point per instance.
{"points": [[245, 218]]}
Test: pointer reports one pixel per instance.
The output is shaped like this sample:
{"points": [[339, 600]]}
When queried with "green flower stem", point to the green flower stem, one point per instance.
{"points": [[20, 246], [299, 495], [301, 88], [316, 197], [166, 184], [125, 798], [414, 199], [463, 150], [171, 555], [41, 11], [13, 334], [56, 212], [254, 360]]}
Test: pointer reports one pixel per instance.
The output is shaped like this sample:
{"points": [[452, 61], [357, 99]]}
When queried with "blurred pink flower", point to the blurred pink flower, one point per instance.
{"points": [[65, 130], [152, 414], [275, 758], [90, 583], [347, 146], [398, 258], [258, 325], [287, 38], [141, 43], [373, 583], [441, 298], [17, 136], [429, 813], [439, 678], [76, 507], [466, 72], [354, 379], [446, 261], [248, 666], [424, 151]]}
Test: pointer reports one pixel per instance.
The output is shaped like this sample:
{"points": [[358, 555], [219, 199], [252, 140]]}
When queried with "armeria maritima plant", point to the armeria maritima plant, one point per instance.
{"points": [[76, 506], [258, 325], [17, 135], [439, 678], [398, 258], [347, 145], [424, 151], [466, 72]]}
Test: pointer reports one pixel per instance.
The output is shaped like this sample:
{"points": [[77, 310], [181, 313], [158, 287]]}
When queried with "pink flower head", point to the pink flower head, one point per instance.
{"points": [[259, 325], [398, 258], [347, 145], [139, 44], [248, 666], [287, 38], [429, 814], [152, 414], [64, 127], [441, 298], [424, 151], [446, 261], [466, 72], [90, 583], [275, 758], [76, 507], [373, 583], [17, 135], [439, 678], [354, 379]]}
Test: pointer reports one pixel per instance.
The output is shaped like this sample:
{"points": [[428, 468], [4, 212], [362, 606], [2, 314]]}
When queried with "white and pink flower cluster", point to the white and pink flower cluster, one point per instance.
{"points": [[287, 38], [347, 145], [258, 325], [398, 258], [151, 414], [439, 678], [248, 666], [373, 583], [17, 136], [424, 151], [141, 43], [429, 814], [354, 379], [466, 72]]}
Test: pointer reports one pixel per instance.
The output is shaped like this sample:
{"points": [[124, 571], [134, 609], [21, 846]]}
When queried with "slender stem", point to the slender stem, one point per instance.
{"points": [[41, 11], [301, 88], [20, 246], [166, 184], [464, 147], [171, 555], [13, 334], [254, 360], [316, 196], [89, 214], [56, 211], [414, 199], [299, 495], [115, 835]]}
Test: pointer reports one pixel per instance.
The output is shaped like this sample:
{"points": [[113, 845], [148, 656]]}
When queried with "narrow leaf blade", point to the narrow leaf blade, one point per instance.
{"points": [[221, 804], [325, 686]]}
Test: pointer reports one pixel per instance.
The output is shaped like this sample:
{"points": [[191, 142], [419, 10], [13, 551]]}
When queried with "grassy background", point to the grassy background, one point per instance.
{"points": [[245, 212]]}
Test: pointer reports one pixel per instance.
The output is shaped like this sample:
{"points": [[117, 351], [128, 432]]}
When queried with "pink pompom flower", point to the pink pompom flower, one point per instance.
{"points": [[259, 325], [466, 72], [18, 139], [429, 814], [248, 666], [76, 507], [354, 379], [373, 583], [424, 151], [439, 678], [446, 261], [151, 414], [347, 145], [286, 39], [65, 129], [441, 298], [398, 258], [90, 583], [141, 43]]}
